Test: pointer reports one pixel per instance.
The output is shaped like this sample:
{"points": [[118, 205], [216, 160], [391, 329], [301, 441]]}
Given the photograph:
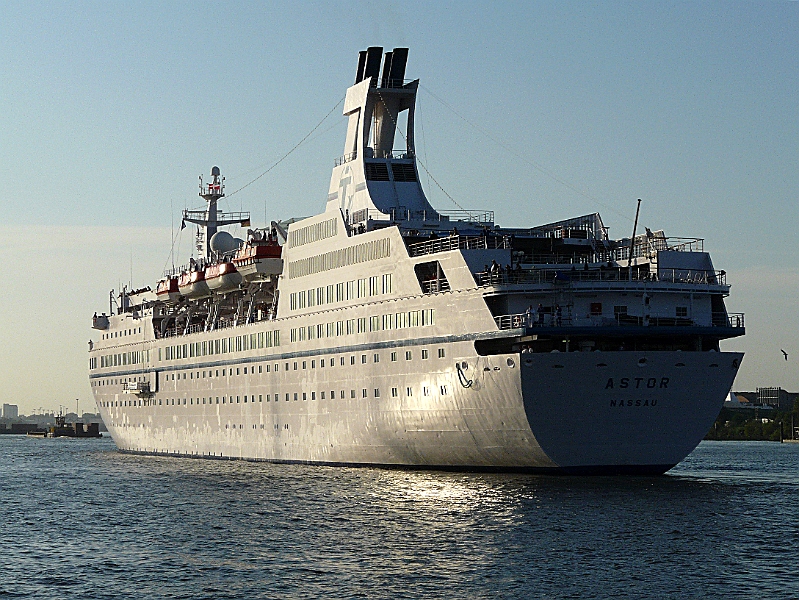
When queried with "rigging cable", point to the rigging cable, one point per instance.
{"points": [[175, 236], [416, 156], [424, 139], [286, 155], [421, 164], [523, 157], [282, 158]]}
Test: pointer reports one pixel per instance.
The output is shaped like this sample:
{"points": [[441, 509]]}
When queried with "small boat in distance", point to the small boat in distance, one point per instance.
{"points": [[64, 429]]}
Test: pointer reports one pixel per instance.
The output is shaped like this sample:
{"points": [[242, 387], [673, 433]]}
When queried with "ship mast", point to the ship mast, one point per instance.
{"points": [[211, 219]]}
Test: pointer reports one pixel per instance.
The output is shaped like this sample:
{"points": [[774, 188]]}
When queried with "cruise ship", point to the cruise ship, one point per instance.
{"points": [[385, 332]]}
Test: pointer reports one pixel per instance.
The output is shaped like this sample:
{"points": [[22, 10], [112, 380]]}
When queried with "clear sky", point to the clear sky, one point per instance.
{"points": [[537, 110]]}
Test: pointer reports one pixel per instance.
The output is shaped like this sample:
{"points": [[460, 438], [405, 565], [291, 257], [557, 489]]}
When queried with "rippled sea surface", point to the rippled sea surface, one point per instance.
{"points": [[79, 520]]}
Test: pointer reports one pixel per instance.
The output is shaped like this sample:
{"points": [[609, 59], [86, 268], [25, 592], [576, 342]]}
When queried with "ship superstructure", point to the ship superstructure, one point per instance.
{"points": [[385, 332]]}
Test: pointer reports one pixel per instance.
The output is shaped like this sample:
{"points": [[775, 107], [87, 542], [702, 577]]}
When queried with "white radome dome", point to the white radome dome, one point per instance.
{"points": [[222, 241]]}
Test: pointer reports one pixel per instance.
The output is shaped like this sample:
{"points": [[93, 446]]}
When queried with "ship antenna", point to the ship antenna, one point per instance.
{"points": [[632, 240], [172, 218], [209, 220]]}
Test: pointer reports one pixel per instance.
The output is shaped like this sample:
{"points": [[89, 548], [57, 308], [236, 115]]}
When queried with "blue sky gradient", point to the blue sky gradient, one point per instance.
{"points": [[537, 110]]}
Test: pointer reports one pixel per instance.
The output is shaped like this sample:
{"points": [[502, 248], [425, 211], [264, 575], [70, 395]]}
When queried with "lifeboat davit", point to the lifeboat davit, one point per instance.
{"points": [[222, 277], [167, 290], [258, 258], [192, 284]]}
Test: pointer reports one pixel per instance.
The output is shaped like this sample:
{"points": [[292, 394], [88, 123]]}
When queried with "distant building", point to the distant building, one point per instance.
{"points": [[765, 397], [10, 411], [776, 397], [737, 400]]}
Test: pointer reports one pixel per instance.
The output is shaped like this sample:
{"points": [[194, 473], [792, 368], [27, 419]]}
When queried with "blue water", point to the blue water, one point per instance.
{"points": [[79, 520]]}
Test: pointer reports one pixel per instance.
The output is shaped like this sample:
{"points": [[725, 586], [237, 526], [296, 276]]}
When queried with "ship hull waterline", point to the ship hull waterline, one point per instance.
{"points": [[575, 413]]}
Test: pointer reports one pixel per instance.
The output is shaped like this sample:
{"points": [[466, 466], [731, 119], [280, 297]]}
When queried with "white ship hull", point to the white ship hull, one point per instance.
{"points": [[534, 415], [389, 333]]}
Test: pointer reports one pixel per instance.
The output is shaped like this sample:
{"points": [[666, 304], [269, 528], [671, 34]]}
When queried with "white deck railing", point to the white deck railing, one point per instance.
{"points": [[534, 319]]}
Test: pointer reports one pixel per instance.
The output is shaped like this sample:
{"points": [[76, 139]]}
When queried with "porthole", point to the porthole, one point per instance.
{"points": [[641, 362], [511, 364]]}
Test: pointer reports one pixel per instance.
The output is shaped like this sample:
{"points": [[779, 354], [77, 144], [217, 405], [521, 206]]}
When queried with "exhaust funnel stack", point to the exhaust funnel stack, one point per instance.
{"points": [[372, 67]]}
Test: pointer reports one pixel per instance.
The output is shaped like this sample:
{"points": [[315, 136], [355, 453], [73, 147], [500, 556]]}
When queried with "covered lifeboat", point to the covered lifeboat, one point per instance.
{"points": [[192, 284], [259, 257], [167, 291], [222, 277]]}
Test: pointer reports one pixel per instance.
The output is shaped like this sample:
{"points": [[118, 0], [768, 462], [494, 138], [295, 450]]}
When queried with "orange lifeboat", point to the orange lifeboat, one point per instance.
{"points": [[167, 290], [257, 258], [192, 284], [222, 277]]}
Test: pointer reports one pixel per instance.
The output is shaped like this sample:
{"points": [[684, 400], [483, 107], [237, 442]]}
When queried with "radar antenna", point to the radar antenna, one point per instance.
{"points": [[210, 219]]}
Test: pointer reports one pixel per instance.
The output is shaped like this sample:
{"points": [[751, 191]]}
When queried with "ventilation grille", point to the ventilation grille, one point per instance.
{"points": [[403, 172], [376, 171]]}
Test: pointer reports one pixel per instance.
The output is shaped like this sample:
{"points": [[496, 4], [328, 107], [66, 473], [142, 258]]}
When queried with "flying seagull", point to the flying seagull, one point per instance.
{"points": [[784, 353]]}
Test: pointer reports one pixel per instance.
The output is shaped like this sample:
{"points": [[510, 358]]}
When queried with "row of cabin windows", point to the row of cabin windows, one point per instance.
{"points": [[239, 343], [426, 391], [367, 287], [270, 339], [134, 357], [276, 397], [189, 402], [621, 310], [387, 322], [122, 333], [273, 367]]}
